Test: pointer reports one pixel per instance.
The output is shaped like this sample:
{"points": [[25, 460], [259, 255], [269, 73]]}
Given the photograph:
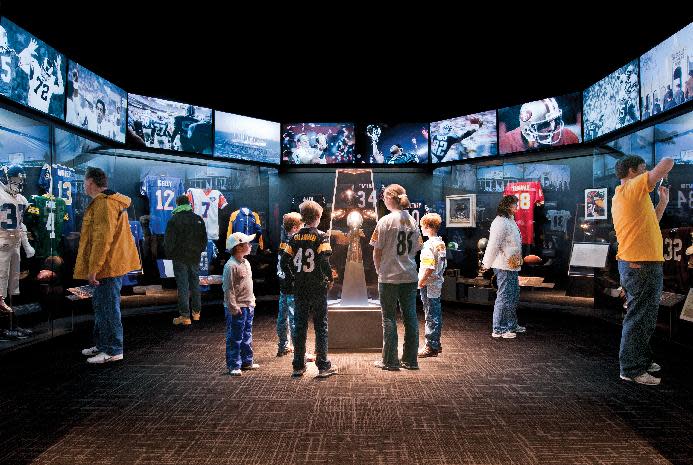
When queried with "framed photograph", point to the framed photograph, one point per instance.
{"points": [[596, 204], [460, 211]]}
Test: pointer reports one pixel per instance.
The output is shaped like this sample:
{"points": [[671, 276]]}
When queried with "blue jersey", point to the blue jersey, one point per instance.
{"points": [[130, 279], [59, 180], [9, 63], [161, 192]]}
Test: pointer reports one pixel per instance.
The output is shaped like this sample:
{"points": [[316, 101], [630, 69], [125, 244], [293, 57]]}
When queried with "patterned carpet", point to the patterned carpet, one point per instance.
{"points": [[551, 396]]}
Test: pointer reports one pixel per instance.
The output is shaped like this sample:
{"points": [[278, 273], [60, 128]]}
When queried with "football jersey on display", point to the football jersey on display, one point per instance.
{"points": [[558, 220], [12, 210], [45, 219], [207, 203], [59, 180], [161, 192], [677, 265], [529, 194]]}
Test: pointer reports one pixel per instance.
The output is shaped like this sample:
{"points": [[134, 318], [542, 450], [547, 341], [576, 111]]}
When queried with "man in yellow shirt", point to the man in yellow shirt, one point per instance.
{"points": [[640, 258]]}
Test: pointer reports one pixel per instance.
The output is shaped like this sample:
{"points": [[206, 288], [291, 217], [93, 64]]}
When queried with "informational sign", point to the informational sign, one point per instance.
{"points": [[589, 254]]}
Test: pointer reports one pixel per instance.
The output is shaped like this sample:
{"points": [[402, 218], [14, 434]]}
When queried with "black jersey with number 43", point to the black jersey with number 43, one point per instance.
{"points": [[306, 262]]}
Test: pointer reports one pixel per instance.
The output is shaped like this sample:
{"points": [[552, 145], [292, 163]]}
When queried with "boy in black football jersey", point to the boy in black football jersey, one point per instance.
{"points": [[305, 261]]}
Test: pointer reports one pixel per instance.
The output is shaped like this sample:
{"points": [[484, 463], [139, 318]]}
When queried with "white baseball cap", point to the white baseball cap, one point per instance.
{"points": [[238, 238]]}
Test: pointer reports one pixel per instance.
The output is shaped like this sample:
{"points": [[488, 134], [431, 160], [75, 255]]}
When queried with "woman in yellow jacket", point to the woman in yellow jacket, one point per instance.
{"points": [[106, 253]]}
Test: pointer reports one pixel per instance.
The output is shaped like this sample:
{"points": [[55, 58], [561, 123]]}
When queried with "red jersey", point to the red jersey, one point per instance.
{"points": [[513, 141], [529, 194]]}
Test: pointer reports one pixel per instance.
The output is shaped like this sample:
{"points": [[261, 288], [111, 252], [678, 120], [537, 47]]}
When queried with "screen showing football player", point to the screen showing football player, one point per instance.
{"points": [[447, 136], [541, 125]]}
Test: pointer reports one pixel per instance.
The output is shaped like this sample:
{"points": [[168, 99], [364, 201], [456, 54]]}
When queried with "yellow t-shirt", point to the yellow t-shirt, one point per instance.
{"points": [[635, 221]]}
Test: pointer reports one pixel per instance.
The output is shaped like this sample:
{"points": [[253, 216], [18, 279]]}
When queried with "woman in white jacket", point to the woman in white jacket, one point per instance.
{"points": [[504, 255]]}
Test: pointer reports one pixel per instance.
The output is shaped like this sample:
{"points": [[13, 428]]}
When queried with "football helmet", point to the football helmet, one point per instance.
{"points": [[190, 111], [629, 70], [542, 121], [446, 129], [13, 178], [46, 67]]}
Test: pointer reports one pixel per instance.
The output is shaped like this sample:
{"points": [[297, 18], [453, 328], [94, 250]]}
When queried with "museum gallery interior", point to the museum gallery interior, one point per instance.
{"points": [[544, 391]]}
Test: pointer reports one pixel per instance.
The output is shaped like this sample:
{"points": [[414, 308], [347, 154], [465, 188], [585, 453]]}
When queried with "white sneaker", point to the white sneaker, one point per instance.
{"points": [[236, 372], [90, 352], [520, 329], [495, 334], [103, 357], [508, 335], [644, 378], [654, 367], [253, 366]]}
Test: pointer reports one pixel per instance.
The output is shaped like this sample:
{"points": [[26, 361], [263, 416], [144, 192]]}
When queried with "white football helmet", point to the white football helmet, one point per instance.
{"points": [[542, 121]]}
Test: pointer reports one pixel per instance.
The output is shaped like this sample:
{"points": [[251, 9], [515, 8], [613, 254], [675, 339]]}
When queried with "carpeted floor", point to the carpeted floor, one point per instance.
{"points": [[551, 396]]}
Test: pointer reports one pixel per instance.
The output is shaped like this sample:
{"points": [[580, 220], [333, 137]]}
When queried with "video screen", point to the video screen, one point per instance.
{"points": [[95, 104], [613, 102], [550, 122], [317, 143], [245, 138], [393, 144], [162, 124], [470, 136], [666, 74], [32, 73]]}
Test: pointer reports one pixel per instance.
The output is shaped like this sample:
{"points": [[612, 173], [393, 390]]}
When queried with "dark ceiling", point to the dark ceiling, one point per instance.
{"points": [[310, 62]]}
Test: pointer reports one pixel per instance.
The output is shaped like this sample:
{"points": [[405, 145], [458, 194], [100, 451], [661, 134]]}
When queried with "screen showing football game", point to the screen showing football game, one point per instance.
{"points": [[470, 136], [245, 138], [666, 74], [393, 144], [95, 104], [162, 124], [32, 73], [545, 123], [613, 102], [317, 143]]}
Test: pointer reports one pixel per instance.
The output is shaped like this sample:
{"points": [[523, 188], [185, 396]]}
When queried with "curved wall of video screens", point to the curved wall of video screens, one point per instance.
{"points": [[34, 74]]}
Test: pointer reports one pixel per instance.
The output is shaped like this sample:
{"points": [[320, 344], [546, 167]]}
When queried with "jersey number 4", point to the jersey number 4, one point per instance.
{"points": [[309, 256]]}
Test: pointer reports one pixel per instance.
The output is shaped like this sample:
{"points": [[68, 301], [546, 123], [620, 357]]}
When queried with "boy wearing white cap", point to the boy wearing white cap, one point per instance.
{"points": [[239, 305]]}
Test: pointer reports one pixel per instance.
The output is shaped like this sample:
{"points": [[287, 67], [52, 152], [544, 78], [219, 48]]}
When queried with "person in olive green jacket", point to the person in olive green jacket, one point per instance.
{"points": [[106, 253], [185, 240]]}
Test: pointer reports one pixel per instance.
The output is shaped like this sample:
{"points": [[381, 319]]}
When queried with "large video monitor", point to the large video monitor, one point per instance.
{"points": [[31, 73], [95, 104], [545, 123], [317, 143], [666, 74], [392, 144], [245, 138], [163, 124], [613, 102], [470, 136]]}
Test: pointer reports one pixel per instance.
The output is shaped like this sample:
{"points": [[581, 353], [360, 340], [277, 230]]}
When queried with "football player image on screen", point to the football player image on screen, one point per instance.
{"points": [[95, 104], [34, 75], [407, 142], [540, 124], [246, 138], [317, 143], [613, 102], [445, 137], [465, 137]]}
